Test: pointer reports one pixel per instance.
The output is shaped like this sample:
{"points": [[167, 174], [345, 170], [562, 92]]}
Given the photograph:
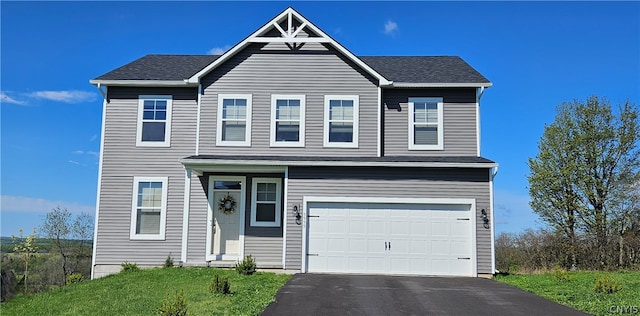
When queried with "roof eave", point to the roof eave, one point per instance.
{"points": [[195, 163], [143, 83], [440, 85]]}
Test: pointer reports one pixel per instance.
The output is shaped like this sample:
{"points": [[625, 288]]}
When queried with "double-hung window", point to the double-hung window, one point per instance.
{"points": [[341, 121], [154, 121], [425, 124], [266, 202], [149, 209], [234, 120], [287, 120]]}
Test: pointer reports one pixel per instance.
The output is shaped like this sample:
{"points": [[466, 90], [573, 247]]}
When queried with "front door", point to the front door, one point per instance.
{"points": [[226, 217]]}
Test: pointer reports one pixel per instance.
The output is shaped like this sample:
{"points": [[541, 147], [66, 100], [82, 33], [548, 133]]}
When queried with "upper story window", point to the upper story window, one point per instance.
{"points": [[341, 121], [287, 120], [154, 121], [266, 202], [234, 120], [425, 124], [149, 210]]}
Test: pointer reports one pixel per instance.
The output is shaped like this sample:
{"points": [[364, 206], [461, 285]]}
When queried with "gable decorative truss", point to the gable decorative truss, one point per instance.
{"points": [[288, 28]]}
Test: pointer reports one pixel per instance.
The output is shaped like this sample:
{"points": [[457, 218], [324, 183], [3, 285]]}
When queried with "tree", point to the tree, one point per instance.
{"points": [[69, 237], [25, 248], [586, 156]]}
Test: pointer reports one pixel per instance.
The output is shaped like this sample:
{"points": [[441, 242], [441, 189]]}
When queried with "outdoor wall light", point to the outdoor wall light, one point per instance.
{"points": [[485, 219], [297, 214]]}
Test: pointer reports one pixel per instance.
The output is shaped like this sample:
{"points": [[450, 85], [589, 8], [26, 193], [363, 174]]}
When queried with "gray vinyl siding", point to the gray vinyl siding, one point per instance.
{"points": [[313, 71], [122, 161], [388, 182], [459, 115]]}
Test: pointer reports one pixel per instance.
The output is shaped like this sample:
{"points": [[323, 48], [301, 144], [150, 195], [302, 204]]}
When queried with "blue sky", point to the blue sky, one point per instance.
{"points": [[537, 54]]}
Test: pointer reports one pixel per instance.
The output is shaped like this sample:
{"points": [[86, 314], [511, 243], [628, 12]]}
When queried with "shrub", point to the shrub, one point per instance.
{"points": [[247, 266], [129, 267], [74, 278], [606, 285], [220, 285], [174, 307], [561, 275], [168, 263]]}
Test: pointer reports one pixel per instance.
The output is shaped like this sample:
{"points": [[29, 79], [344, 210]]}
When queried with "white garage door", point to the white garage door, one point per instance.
{"points": [[390, 239]]}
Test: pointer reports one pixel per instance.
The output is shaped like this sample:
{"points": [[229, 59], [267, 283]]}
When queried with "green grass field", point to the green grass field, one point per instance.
{"points": [[578, 291], [142, 293]]}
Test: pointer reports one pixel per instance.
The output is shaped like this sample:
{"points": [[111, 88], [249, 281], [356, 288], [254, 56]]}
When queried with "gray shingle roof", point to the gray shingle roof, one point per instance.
{"points": [[409, 69]]}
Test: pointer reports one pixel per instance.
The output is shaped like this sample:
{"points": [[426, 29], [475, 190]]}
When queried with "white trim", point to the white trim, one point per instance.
{"points": [[285, 217], [100, 162], [289, 40], [163, 209], [221, 164], [199, 105], [384, 200], [356, 114], [380, 127], [412, 123], [439, 85], [185, 214], [478, 128], [301, 123], [277, 202], [141, 121], [492, 174], [289, 13], [247, 132], [209, 256], [145, 83]]}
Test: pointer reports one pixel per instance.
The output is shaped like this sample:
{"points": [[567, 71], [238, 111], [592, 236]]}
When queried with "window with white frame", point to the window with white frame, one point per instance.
{"points": [[234, 120], [425, 124], [154, 120], [266, 202], [149, 209], [287, 120], [341, 121]]}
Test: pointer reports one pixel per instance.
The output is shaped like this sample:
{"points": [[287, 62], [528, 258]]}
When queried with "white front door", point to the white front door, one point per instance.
{"points": [[225, 221], [378, 238]]}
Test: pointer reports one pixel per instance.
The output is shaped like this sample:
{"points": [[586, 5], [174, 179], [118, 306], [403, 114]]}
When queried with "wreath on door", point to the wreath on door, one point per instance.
{"points": [[228, 204]]}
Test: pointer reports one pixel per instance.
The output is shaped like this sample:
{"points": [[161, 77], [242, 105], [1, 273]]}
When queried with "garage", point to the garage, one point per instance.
{"points": [[391, 238]]}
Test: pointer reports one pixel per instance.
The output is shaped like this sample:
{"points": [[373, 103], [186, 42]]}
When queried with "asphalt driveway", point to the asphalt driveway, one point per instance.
{"points": [[332, 294]]}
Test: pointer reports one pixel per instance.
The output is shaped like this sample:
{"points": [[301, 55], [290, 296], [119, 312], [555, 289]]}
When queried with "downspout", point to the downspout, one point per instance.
{"points": [[492, 175]]}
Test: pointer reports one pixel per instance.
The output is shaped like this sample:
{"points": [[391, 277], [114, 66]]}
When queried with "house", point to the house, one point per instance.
{"points": [[290, 148]]}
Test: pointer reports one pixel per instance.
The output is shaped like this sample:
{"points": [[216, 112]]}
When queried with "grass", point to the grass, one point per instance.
{"points": [[141, 293], [578, 291]]}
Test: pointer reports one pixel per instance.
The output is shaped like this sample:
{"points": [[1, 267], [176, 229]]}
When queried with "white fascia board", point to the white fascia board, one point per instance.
{"points": [[144, 83], [439, 85], [289, 40], [204, 163], [255, 37]]}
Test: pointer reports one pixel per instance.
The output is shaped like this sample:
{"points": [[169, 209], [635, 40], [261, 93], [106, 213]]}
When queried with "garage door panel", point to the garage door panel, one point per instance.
{"points": [[424, 239]]}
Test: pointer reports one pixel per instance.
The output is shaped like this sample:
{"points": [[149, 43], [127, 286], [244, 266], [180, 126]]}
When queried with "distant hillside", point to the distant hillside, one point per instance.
{"points": [[44, 244]]}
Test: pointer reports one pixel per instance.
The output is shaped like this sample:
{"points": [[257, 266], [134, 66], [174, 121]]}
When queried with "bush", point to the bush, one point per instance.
{"points": [[247, 266], [74, 278], [175, 307], [129, 267], [220, 285], [606, 285], [561, 275], [168, 263]]}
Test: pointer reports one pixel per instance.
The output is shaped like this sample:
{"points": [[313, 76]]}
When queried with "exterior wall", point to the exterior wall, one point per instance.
{"points": [[388, 182], [460, 133], [122, 160], [315, 71], [263, 243]]}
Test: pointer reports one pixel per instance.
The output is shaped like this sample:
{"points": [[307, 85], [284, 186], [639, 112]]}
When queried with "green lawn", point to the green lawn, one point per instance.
{"points": [[578, 291], [142, 292]]}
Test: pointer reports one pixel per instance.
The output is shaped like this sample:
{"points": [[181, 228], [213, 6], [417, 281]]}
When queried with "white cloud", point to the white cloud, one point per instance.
{"points": [[11, 203], [390, 27], [4, 98], [75, 162], [94, 137], [66, 96], [513, 213], [218, 50]]}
